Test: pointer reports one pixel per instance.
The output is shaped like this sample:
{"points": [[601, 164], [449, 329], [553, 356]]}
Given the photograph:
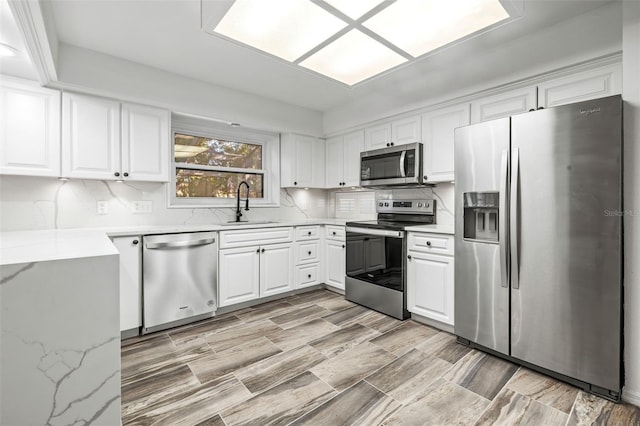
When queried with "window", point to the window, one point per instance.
{"points": [[210, 162]]}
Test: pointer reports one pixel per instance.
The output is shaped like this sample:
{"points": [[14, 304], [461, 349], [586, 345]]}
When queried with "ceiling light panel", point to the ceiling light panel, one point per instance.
{"points": [[285, 28], [352, 58], [420, 26], [354, 9]]}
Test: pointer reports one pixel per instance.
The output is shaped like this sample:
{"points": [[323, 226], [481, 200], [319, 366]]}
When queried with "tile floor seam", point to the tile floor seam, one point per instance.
{"points": [[380, 390]]}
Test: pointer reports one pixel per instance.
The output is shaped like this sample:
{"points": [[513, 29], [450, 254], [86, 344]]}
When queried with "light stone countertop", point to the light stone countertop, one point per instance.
{"points": [[56, 244]]}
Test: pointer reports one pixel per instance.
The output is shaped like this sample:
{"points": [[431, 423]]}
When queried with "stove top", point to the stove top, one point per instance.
{"points": [[396, 215], [384, 224]]}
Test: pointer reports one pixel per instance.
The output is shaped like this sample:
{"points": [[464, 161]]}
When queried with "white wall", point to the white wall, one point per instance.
{"points": [[585, 37], [46, 203], [100, 74], [631, 95]]}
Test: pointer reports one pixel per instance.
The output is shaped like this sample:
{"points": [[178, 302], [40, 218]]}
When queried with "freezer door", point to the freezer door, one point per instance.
{"points": [[481, 240], [566, 240]]}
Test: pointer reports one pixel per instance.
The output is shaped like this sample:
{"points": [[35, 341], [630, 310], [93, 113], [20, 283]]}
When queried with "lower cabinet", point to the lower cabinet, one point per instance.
{"points": [[430, 280], [130, 251], [335, 264], [248, 273]]}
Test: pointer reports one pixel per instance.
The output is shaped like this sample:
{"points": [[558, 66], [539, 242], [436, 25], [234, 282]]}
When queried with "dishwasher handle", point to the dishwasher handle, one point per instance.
{"points": [[176, 244]]}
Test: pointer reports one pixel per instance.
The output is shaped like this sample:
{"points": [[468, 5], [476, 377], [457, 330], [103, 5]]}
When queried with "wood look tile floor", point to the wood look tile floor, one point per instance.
{"points": [[317, 359]]}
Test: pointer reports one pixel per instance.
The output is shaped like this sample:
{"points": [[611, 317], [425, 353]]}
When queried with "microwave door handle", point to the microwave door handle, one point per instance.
{"points": [[402, 160]]}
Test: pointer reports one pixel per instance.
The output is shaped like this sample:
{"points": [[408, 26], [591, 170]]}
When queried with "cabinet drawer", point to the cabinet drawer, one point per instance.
{"points": [[307, 233], [247, 237], [333, 232], [308, 275], [308, 252], [431, 243]]}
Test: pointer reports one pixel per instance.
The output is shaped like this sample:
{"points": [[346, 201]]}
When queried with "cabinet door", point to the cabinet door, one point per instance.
{"points": [[130, 282], [276, 269], [430, 286], [335, 162], [335, 267], [29, 129], [437, 131], [591, 84], [90, 137], [239, 275], [145, 143], [504, 105], [353, 146], [406, 130], [308, 275], [377, 137]]}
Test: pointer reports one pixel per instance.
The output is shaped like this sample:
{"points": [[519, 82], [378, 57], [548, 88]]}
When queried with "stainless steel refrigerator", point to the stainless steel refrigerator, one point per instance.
{"points": [[538, 248]]}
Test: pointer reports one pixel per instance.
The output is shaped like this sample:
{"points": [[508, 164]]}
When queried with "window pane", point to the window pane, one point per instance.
{"points": [[217, 152], [202, 183]]}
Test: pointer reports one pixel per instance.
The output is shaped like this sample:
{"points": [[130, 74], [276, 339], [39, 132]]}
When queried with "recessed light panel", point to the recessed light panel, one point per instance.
{"points": [[352, 8], [352, 58], [420, 26], [285, 28]]}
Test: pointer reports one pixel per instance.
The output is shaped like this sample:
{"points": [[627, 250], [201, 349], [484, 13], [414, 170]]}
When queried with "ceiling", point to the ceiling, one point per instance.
{"points": [[19, 65], [167, 34]]}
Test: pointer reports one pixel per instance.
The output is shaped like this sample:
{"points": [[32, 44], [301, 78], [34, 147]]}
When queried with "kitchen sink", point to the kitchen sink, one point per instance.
{"points": [[251, 222]]}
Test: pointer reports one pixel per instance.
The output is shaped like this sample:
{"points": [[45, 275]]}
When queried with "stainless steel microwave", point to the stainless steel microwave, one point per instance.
{"points": [[394, 166]]}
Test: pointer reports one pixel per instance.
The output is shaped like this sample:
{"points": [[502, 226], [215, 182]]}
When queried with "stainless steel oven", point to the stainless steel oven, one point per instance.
{"points": [[394, 166], [376, 255]]}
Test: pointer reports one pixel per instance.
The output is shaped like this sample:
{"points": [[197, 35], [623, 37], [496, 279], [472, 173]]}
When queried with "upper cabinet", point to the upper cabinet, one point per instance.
{"points": [[343, 160], [398, 132], [438, 133], [102, 139], [504, 104], [581, 86], [302, 161], [29, 129]]}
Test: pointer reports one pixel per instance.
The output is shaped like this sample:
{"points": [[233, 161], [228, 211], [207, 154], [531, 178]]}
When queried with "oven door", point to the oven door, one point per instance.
{"points": [[376, 256]]}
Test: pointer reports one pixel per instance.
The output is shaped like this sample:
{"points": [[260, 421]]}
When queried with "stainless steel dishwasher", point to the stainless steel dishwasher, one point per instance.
{"points": [[179, 280]]}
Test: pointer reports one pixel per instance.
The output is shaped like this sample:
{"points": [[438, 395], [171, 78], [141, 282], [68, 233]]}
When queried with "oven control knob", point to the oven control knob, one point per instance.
{"points": [[386, 204], [380, 204], [419, 204]]}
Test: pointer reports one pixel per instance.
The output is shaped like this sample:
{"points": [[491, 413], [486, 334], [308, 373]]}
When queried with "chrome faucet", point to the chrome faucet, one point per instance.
{"points": [[246, 206]]}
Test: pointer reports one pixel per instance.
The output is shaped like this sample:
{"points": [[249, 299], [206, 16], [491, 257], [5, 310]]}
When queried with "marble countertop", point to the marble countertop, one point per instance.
{"points": [[434, 229], [46, 245]]}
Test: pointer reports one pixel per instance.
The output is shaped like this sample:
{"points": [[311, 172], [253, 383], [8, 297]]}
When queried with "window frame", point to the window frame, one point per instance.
{"points": [[203, 128]]}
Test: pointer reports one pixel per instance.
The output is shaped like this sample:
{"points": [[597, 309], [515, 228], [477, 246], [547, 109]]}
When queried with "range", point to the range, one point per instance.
{"points": [[377, 255]]}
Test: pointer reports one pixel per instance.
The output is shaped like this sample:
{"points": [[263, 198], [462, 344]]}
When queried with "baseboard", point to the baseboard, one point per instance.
{"points": [[631, 396], [433, 323]]}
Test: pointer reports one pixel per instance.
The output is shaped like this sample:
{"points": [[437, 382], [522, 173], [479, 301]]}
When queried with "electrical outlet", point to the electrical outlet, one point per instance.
{"points": [[102, 207], [142, 207]]}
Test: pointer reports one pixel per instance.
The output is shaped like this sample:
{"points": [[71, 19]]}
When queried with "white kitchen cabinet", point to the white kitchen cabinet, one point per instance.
{"points": [[255, 263], [29, 129], [302, 162], [581, 86], [308, 259], [276, 267], [343, 160], [238, 275], [430, 286], [130, 281], [504, 104], [398, 132], [335, 266], [145, 143], [438, 133], [102, 139]]}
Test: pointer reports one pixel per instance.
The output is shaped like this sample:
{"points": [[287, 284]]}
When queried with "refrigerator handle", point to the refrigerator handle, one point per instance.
{"points": [[502, 220], [514, 219]]}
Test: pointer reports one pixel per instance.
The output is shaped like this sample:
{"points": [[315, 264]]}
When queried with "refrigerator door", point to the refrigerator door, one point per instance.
{"points": [[481, 241], [566, 240]]}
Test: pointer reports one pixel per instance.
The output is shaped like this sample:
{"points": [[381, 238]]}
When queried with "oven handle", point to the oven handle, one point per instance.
{"points": [[403, 173], [380, 232]]}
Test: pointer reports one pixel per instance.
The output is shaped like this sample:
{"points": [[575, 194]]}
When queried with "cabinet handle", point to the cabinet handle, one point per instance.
{"points": [[343, 246], [262, 250], [116, 174], [429, 243], [532, 109], [125, 174], [540, 107], [409, 257], [309, 253], [135, 242], [388, 144], [309, 232], [424, 177], [295, 183], [309, 276], [258, 251], [391, 143], [334, 232]]}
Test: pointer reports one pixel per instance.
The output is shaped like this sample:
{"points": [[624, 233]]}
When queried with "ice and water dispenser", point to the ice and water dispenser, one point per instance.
{"points": [[481, 212]]}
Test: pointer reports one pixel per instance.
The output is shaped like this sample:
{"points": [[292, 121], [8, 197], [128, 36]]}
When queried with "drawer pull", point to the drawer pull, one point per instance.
{"points": [[309, 276], [309, 253], [334, 232], [409, 257], [309, 233], [429, 243]]}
